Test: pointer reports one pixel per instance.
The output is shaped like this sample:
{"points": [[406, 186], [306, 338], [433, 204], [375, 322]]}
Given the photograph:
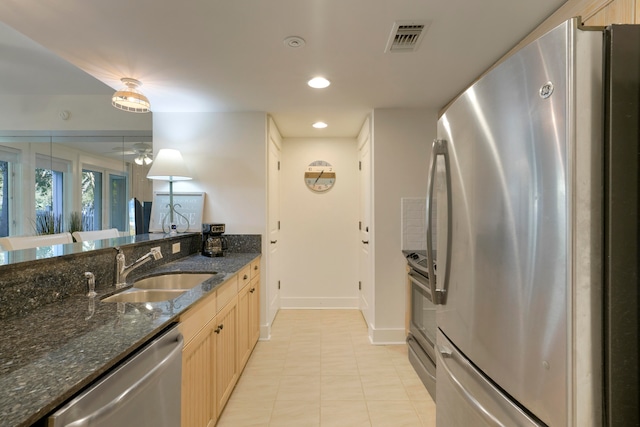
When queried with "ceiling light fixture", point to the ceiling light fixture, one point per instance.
{"points": [[143, 159], [130, 98], [318, 83], [319, 125]]}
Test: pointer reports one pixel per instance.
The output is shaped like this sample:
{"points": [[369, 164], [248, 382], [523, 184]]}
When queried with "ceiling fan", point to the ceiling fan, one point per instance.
{"points": [[142, 151]]}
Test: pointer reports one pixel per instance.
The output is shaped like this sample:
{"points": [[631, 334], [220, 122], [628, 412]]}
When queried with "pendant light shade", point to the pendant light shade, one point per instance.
{"points": [[130, 98]]}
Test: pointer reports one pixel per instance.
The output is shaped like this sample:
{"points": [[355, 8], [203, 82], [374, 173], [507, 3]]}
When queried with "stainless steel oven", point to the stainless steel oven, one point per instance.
{"points": [[422, 326]]}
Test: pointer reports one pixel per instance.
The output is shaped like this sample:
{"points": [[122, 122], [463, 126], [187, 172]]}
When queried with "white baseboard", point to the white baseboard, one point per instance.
{"points": [[265, 332], [387, 336], [302, 303]]}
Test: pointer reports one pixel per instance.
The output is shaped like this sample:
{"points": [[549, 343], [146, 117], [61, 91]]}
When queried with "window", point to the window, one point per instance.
{"points": [[49, 194], [91, 200], [118, 202], [8, 160], [104, 194], [4, 198]]}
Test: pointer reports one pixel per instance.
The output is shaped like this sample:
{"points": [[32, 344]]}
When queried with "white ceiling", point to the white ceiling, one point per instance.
{"points": [[229, 55]]}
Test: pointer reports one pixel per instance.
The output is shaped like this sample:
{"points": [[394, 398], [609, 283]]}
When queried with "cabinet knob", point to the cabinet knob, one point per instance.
{"points": [[273, 242], [366, 242], [255, 267], [219, 328], [252, 290], [245, 277]]}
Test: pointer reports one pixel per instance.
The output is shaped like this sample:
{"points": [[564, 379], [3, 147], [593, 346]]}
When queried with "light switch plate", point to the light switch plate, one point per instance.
{"points": [[175, 248]]}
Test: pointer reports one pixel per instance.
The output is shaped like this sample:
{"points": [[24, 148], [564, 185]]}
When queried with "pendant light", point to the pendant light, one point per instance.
{"points": [[130, 98]]}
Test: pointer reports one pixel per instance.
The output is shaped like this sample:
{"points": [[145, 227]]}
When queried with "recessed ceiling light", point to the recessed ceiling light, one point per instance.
{"points": [[294, 42], [318, 82], [319, 125]]}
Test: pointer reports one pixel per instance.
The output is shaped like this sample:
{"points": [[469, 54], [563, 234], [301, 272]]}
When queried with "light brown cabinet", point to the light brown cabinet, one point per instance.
{"points": [[605, 12], [198, 370], [219, 332], [254, 312], [248, 313], [225, 361], [198, 408], [244, 308]]}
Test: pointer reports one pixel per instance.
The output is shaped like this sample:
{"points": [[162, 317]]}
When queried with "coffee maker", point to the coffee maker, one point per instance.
{"points": [[213, 242]]}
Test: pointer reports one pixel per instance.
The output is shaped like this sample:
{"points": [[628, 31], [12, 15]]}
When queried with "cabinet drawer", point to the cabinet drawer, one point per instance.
{"points": [[244, 276], [226, 292], [196, 318], [255, 268]]}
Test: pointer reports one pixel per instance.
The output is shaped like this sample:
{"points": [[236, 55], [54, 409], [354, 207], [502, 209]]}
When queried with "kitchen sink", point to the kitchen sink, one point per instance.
{"points": [[162, 287], [145, 295], [172, 281]]}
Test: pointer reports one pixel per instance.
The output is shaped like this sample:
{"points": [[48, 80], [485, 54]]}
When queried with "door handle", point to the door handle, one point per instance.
{"points": [[273, 242]]}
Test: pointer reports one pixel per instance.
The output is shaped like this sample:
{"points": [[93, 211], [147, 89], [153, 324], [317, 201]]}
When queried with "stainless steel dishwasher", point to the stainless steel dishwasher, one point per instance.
{"points": [[143, 391]]}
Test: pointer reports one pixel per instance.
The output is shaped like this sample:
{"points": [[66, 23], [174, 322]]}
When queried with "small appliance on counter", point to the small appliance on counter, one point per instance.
{"points": [[213, 242]]}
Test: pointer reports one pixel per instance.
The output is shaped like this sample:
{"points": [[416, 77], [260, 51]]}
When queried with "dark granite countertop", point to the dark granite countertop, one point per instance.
{"points": [[51, 354]]}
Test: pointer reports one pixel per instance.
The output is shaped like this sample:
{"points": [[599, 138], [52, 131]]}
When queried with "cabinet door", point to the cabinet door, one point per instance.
{"points": [[245, 333], [254, 312], [198, 386], [225, 351]]}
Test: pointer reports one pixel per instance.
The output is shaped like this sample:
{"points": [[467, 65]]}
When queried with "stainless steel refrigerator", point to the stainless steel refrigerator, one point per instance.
{"points": [[535, 233]]}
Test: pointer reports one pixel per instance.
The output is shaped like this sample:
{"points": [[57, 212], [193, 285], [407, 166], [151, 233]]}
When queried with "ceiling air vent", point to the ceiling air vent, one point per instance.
{"points": [[406, 36]]}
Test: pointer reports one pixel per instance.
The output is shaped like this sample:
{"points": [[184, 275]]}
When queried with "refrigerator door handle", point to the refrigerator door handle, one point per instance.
{"points": [[459, 377], [439, 148], [445, 352], [488, 417]]}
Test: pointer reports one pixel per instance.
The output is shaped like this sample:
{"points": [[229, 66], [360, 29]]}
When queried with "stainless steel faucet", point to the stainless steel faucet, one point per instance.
{"points": [[123, 270]]}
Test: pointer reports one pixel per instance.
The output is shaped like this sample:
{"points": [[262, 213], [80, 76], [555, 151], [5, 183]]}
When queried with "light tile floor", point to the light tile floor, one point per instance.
{"points": [[319, 369]]}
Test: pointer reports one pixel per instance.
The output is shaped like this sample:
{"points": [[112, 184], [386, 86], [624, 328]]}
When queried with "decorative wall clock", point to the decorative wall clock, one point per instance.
{"points": [[320, 176]]}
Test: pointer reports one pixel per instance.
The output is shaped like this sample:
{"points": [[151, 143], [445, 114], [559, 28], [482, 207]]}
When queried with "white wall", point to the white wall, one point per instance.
{"points": [[319, 231], [226, 153], [401, 148]]}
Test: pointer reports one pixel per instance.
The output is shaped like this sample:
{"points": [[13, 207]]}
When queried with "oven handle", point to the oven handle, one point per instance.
{"points": [[418, 281], [411, 338]]}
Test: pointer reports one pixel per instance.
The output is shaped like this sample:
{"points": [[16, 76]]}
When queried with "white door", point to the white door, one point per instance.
{"points": [[365, 253], [273, 271]]}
